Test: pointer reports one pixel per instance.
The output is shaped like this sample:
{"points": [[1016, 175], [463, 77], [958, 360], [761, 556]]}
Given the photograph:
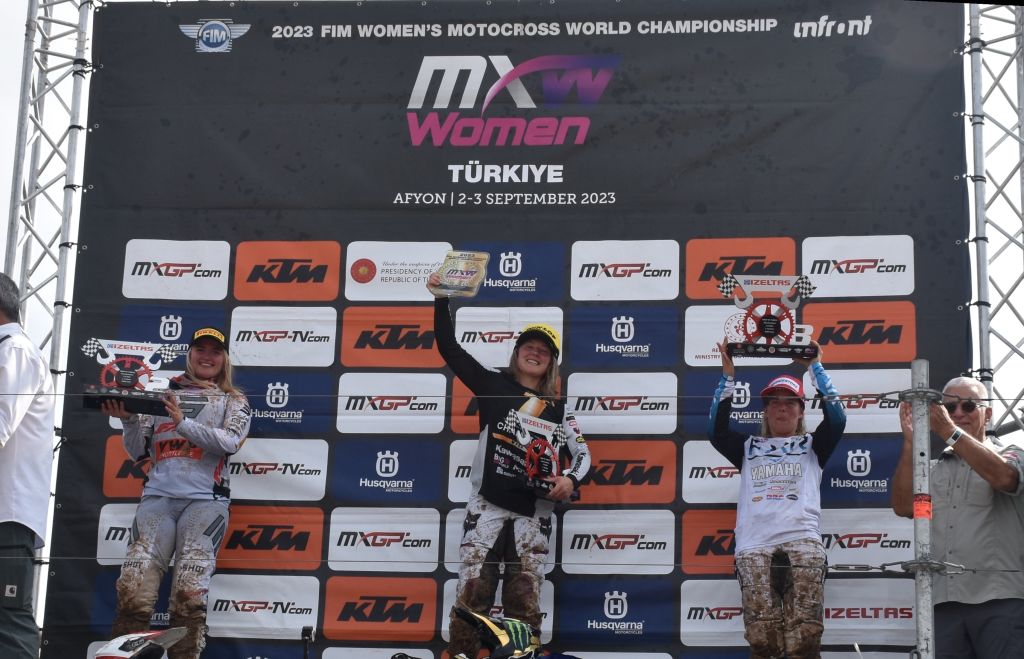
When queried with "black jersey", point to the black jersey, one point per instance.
{"points": [[511, 416]]}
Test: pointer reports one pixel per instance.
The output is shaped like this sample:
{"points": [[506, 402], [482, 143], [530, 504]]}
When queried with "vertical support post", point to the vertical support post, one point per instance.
{"points": [[975, 46], [922, 508], [21, 139]]}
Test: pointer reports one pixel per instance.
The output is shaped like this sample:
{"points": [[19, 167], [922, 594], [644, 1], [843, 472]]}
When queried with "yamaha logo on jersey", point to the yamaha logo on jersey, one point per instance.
{"points": [[858, 462], [277, 395], [615, 605], [214, 35], [170, 328], [511, 264], [387, 464]]}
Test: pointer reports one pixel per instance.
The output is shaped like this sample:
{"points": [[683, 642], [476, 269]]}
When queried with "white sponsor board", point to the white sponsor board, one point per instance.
{"points": [[707, 476], [618, 542], [860, 390], [875, 611], [547, 605], [269, 469], [373, 653], [866, 536], [283, 336], [391, 271], [453, 538], [460, 462], [391, 403], [624, 403], [625, 270], [262, 606], [704, 327], [857, 266], [114, 532], [176, 269], [384, 539], [490, 333]]}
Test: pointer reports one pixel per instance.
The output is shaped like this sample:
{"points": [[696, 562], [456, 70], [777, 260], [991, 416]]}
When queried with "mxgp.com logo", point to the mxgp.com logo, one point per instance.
{"points": [[560, 75], [154, 269], [619, 270]]}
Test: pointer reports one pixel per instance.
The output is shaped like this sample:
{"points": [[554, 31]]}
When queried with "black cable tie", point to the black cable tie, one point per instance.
{"points": [[73, 186], [974, 45], [68, 244], [76, 127], [61, 303], [980, 303], [983, 239], [975, 178]]}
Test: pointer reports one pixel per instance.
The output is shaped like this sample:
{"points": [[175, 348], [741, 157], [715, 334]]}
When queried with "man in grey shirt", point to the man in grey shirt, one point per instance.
{"points": [[977, 522]]}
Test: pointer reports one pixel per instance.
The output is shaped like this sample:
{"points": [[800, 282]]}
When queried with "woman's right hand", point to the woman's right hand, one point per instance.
{"points": [[433, 281], [728, 368], [115, 409]]}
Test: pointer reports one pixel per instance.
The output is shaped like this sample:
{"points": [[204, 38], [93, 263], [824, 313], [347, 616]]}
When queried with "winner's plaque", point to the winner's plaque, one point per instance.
{"points": [[461, 274], [765, 326]]}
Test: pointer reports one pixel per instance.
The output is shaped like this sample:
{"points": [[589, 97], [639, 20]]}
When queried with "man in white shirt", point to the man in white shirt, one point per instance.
{"points": [[26, 458]]}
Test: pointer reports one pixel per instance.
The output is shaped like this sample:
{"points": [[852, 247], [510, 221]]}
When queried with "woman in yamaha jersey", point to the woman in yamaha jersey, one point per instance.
{"points": [[184, 506], [507, 520], [780, 559]]}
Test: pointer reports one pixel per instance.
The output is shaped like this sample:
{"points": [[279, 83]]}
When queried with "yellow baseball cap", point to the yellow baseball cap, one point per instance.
{"points": [[209, 333]]}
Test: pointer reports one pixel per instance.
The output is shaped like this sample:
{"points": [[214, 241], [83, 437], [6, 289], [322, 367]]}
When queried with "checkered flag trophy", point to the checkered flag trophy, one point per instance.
{"points": [[766, 326]]}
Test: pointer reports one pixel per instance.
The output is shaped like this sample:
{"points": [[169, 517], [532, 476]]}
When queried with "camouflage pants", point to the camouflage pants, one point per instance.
{"points": [[783, 598], [190, 530], [493, 536]]}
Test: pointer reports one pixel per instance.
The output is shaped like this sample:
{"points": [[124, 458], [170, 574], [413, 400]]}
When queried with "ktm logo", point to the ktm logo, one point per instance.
{"points": [[259, 539], [380, 609], [465, 417], [739, 265], [286, 270], [122, 477], [709, 541], [860, 332], [708, 260], [389, 336], [618, 476]]}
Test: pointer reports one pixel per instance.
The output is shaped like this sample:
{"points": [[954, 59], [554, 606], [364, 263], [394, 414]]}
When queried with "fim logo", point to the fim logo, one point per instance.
{"points": [[623, 329], [858, 462], [615, 605], [214, 35], [387, 464], [511, 264], [277, 394], [170, 328]]}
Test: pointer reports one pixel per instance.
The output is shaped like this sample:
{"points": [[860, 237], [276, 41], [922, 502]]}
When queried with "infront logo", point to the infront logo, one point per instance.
{"points": [[305, 271], [824, 27]]}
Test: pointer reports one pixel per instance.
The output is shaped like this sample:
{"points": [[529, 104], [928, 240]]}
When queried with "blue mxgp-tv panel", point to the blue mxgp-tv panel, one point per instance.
{"points": [[699, 386], [390, 471], [859, 473], [170, 326], [610, 612], [289, 403], [524, 272], [628, 337]]}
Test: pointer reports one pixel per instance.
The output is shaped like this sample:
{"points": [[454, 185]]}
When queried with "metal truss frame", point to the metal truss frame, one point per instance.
{"points": [[44, 195], [995, 49]]}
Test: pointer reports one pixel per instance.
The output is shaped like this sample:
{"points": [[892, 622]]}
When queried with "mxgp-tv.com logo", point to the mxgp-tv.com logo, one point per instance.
{"points": [[560, 76]]}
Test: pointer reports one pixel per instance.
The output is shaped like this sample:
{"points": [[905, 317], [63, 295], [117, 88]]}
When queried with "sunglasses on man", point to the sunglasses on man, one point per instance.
{"points": [[967, 406]]}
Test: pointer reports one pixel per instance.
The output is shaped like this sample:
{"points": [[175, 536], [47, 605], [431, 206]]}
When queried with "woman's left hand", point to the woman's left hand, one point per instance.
{"points": [[562, 490], [173, 411]]}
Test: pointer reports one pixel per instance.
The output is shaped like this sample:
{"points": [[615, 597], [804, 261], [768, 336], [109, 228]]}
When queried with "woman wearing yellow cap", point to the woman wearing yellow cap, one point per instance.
{"points": [[184, 506], [515, 478], [780, 559]]}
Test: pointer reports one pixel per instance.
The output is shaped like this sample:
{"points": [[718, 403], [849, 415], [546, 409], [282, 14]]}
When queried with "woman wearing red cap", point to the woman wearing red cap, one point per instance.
{"points": [[184, 506], [780, 559], [507, 521]]}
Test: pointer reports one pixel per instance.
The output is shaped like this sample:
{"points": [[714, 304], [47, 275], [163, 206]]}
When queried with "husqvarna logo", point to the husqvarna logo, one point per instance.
{"points": [[615, 605], [170, 328], [858, 462], [277, 394], [214, 35], [511, 264], [622, 329], [387, 464], [741, 395]]}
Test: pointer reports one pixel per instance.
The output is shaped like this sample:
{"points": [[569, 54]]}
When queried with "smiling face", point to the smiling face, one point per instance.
{"points": [[533, 358], [207, 359], [783, 412]]}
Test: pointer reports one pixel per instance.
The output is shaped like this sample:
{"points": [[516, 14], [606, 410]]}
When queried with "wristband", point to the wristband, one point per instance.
{"points": [[957, 434]]}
